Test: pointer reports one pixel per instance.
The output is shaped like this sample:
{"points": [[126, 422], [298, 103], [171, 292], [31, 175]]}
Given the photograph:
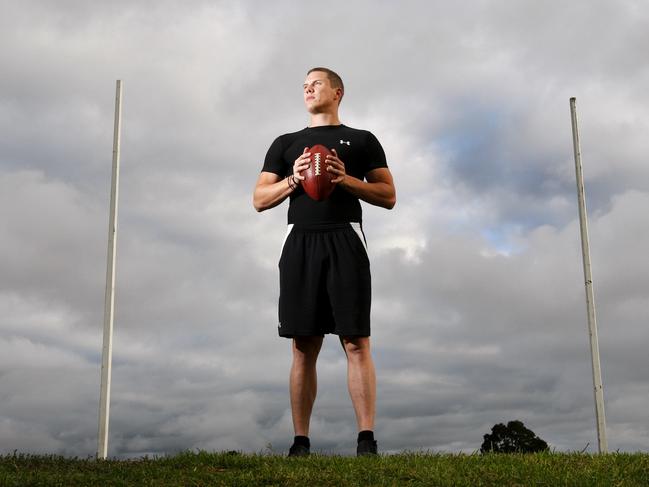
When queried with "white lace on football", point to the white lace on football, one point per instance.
{"points": [[317, 163]]}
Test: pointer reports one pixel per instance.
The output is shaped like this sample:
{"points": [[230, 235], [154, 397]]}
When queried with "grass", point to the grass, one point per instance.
{"points": [[407, 469]]}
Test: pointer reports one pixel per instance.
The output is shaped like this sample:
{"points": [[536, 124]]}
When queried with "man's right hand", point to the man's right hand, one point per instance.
{"points": [[301, 163]]}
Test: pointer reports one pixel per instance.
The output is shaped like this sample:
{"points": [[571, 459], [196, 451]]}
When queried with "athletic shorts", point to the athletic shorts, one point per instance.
{"points": [[324, 281]]}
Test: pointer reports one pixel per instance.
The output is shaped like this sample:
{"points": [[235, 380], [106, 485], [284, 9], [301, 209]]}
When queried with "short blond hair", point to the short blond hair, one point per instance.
{"points": [[335, 80]]}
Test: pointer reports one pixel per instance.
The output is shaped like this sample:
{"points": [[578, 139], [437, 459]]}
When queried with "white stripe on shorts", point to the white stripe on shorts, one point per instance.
{"points": [[359, 231], [288, 232]]}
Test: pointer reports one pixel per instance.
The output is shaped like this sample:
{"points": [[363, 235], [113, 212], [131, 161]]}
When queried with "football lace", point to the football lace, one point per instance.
{"points": [[317, 164]]}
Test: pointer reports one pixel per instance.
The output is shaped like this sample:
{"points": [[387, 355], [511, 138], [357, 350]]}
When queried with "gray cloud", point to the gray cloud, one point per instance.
{"points": [[478, 307]]}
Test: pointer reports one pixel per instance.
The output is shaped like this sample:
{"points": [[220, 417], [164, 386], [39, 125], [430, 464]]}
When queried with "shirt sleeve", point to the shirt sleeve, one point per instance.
{"points": [[274, 161], [374, 154]]}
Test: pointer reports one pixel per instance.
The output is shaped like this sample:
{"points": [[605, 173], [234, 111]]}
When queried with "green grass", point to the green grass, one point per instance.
{"points": [[408, 469]]}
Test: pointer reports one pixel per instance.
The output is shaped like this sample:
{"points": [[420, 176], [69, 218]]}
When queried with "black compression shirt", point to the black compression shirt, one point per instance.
{"points": [[358, 149]]}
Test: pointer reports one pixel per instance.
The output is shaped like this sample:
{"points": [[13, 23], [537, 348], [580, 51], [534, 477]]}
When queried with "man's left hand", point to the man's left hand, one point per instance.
{"points": [[336, 167]]}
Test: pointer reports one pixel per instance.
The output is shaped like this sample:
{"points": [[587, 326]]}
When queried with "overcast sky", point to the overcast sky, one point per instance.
{"points": [[478, 314]]}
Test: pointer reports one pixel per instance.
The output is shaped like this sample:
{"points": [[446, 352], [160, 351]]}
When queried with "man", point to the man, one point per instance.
{"points": [[324, 267]]}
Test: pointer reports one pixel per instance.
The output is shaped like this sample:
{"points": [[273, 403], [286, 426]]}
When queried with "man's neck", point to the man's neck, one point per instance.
{"points": [[322, 119]]}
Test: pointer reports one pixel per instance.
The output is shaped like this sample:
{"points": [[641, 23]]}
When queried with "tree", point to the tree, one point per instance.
{"points": [[513, 438]]}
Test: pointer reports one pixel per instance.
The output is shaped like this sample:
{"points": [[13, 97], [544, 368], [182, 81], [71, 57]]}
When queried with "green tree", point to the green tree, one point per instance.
{"points": [[513, 438]]}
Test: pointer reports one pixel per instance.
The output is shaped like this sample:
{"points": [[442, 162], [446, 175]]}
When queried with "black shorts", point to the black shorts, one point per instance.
{"points": [[324, 281]]}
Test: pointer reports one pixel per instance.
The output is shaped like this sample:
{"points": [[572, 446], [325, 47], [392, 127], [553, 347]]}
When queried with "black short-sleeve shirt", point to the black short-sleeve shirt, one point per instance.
{"points": [[358, 149]]}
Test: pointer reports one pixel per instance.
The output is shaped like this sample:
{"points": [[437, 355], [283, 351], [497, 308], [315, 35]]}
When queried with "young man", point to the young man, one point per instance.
{"points": [[324, 267]]}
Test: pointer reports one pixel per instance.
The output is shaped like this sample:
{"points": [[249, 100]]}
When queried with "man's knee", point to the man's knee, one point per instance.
{"points": [[356, 347], [306, 348]]}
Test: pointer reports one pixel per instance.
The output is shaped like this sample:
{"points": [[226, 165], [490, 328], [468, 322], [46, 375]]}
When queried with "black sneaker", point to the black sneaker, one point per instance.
{"points": [[366, 448], [299, 451]]}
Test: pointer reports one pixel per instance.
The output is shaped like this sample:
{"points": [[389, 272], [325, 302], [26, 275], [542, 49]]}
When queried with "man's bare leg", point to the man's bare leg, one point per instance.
{"points": [[361, 380], [304, 381]]}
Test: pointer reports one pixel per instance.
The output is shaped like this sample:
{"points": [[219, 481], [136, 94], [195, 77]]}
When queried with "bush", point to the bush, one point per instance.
{"points": [[513, 438]]}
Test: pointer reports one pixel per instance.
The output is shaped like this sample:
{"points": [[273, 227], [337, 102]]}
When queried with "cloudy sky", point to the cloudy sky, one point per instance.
{"points": [[478, 307]]}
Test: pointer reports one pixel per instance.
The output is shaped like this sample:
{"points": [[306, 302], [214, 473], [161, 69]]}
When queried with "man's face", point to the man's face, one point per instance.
{"points": [[319, 96]]}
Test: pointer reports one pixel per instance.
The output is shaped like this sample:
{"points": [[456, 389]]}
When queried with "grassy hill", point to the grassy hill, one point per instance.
{"points": [[407, 469]]}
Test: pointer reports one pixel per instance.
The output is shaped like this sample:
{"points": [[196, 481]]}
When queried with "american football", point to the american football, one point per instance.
{"points": [[317, 180]]}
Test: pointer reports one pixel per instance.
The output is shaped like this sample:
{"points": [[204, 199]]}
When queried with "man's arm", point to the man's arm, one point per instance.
{"points": [[378, 190], [270, 191]]}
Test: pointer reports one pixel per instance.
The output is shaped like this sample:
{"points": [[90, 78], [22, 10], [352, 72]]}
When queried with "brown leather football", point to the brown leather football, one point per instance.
{"points": [[317, 180]]}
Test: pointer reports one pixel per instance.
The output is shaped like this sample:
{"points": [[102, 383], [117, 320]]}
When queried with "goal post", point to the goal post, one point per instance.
{"points": [[109, 301], [590, 299]]}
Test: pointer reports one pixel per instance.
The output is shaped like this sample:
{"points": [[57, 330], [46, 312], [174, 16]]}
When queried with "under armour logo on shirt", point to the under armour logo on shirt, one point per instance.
{"points": [[345, 142]]}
